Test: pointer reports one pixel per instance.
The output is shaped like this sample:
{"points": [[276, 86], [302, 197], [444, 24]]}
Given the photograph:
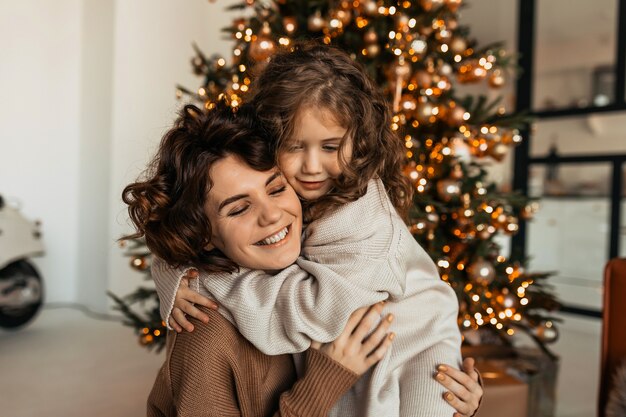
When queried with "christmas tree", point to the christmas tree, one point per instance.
{"points": [[419, 54]]}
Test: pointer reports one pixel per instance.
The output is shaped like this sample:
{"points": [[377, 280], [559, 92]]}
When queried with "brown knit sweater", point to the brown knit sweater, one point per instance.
{"points": [[214, 371]]}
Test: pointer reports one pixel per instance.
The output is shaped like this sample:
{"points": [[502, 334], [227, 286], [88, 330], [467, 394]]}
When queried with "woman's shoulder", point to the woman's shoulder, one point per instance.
{"points": [[218, 335]]}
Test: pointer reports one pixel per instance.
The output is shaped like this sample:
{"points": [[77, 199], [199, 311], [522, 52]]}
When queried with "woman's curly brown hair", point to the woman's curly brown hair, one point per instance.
{"points": [[323, 77], [167, 205]]}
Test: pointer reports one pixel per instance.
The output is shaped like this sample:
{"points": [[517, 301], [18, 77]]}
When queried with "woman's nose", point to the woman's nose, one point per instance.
{"points": [[270, 213]]}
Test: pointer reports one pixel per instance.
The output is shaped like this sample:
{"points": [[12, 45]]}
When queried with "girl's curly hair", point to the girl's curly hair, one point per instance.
{"points": [[167, 204], [323, 77]]}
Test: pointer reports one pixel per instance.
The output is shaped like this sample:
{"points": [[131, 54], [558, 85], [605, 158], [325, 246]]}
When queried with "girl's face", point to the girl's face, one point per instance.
{"points": [[310, 161], [256, 217]]}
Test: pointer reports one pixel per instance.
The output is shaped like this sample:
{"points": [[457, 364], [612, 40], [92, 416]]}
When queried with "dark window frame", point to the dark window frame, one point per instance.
{"points": [[522, 160]]}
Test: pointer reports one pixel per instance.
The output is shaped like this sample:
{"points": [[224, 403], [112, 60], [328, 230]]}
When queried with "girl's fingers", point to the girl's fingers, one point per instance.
{"points": [[193, 297], [367, 322], [192, 311], [192, 274], [179, 316], [174, 325], [461, 377], [379, 353], [453, 386], [459, 405], [374, 339], [469, 367]]}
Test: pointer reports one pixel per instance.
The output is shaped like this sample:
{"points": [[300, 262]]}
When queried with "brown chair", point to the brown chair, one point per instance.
{"points": [[613, 327]]}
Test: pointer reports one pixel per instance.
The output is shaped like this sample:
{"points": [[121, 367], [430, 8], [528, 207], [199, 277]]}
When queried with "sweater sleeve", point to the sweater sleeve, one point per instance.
{"points": [[167, 280], [346, 264], [206, 367], [321, 386]]}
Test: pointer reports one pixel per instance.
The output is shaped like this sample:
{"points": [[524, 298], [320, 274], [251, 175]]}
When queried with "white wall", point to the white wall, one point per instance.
{"points": [[88, 89], [40, 43]]}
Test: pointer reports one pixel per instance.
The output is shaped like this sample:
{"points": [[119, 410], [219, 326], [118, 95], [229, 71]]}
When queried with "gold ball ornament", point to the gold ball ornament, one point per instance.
{"points": [[458, 45], [344, 16], [369, 7], [428, 5], [262, 48], [408, 103], [316, 22], [448, 189], [546, 332], [139, 263], [456, 115], [370, 36], [496, 78], [424, 110], [481, 271], [290, 23], [453, 5], [373, 49], [498, 151], [423, 79]]}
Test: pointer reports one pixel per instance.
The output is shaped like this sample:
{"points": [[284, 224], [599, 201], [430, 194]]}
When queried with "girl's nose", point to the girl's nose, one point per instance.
{"points": [[312, 164]]}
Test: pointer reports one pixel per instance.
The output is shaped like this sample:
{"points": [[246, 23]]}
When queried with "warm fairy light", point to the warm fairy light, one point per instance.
{"points": [[244, 88], [499, 326], [446, 248], [238, 35], [392, 10], [428, 91], [409, 154], [458, 58], [523, 301], [242, 68], [502, 315], [508, 312], [237, 52], [493, 320], [235, 86], [420, 188], [157, 332], [467, 323], [248, 32], [423, 181], [501, 259], [201, 91], [145, 330], [247, 38], [478, 315], [412, 22], [489, 310], [517, 317], [468, 287], [475, 298], [397, 51], [510, 332], [284, 41], [442, 263], [221, 62], [444, 47], [414, 175]]}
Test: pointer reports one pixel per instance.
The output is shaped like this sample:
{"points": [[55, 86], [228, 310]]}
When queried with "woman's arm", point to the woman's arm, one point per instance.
{"points": [[207, 373]]}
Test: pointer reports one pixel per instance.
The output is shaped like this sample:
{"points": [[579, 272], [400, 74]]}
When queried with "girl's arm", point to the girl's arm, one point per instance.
{"points": [[348, 263]]}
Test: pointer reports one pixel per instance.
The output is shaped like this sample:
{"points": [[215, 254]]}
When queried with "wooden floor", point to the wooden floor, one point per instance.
{"points": [[68, 365]]}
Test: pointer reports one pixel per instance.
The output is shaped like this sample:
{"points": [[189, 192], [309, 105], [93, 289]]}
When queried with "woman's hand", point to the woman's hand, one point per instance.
{"points": [[354, 349], [184, 305], [465, 391]]}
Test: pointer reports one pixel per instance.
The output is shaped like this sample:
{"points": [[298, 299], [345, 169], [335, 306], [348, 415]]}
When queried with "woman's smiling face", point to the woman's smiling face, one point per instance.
{"points": [[255, 216]]}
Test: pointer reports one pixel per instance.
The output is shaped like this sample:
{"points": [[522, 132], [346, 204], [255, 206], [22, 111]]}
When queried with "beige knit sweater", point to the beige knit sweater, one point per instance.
{"points": [[356, 256], [215, 372]]}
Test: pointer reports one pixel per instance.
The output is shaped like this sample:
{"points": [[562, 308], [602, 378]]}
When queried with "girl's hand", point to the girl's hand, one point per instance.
{"points": [[184, 305], [354, 349], [465, 390]]}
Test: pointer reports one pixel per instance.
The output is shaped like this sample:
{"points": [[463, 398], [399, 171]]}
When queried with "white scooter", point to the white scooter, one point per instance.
{"points": [[21, 287]]}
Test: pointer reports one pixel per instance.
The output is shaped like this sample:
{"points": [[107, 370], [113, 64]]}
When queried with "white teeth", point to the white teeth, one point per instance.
{"points": [[274, 239]]}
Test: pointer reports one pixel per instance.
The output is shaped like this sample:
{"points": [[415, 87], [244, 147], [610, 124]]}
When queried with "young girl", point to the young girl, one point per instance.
{"points": [[336, 148], [205, 163]]}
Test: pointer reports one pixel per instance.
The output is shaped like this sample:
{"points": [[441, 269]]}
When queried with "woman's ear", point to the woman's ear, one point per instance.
{"points": [[209, 247]]}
